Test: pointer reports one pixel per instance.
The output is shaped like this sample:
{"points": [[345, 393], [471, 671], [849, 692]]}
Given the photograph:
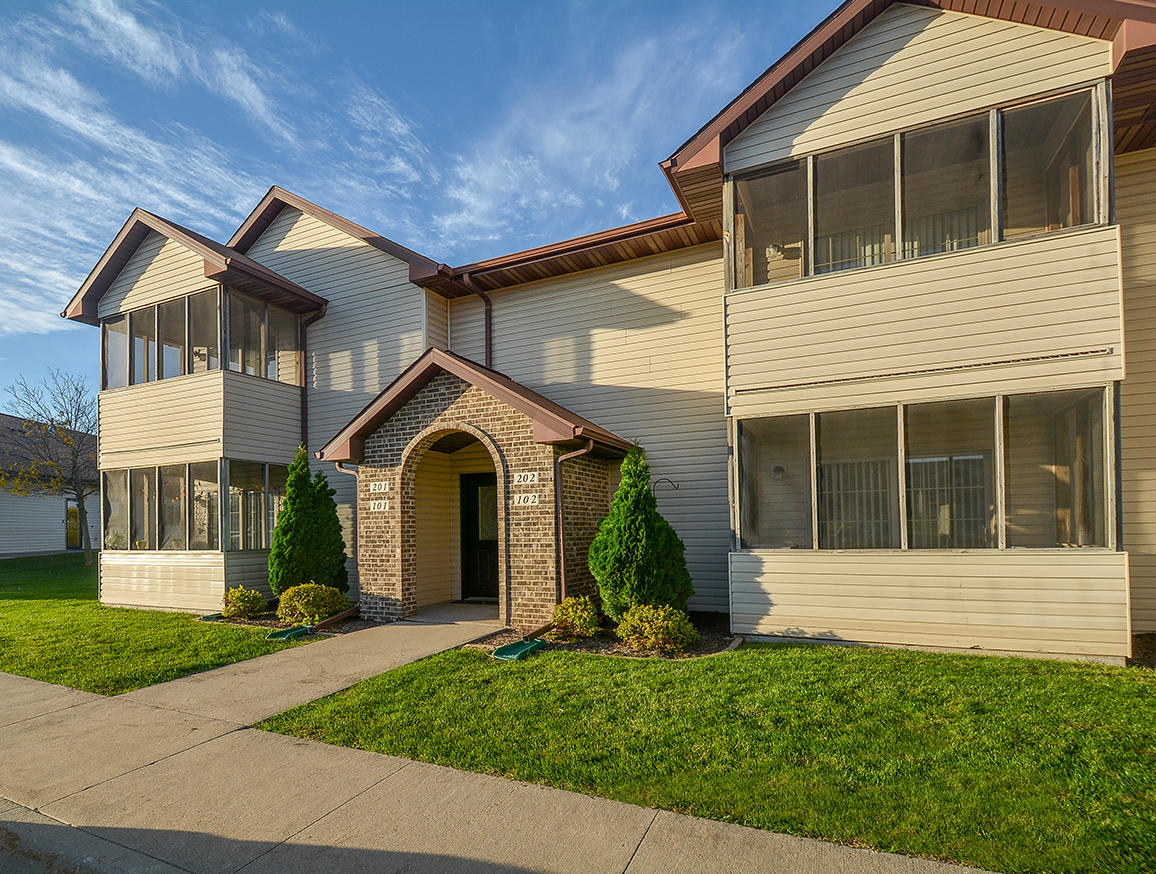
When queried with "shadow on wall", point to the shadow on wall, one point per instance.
{"points": [[44, 847]]}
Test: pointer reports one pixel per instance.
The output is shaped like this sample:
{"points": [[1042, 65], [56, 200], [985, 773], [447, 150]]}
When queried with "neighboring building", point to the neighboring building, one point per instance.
{"points": [[45, 524], [878, 360]]}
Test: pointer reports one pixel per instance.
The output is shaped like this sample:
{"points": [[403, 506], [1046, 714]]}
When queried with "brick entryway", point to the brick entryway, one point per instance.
{"points": [[447, 416]]}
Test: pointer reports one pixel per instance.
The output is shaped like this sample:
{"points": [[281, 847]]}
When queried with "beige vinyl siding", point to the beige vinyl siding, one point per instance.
{"points": [[158, 270], [437, 321], [35, 523], [262, 419], [373, 328], [637, 348], [172, 580], [167, 422], [1136, 211], [249, 568], [931, 328], [910, 66], [1071, 603]]}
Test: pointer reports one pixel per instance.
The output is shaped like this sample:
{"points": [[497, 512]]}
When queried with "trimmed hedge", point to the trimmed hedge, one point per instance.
{"points": [[310, 603], [656, 629]]}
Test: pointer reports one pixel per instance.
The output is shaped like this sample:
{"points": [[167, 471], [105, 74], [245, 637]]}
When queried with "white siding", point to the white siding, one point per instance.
{"points": [[262, 419], [1071, 603], [167, 422], [36, 523], [1136, 210], [374, 327], [158, 270], [172, 580], [910, 66], [437, 321], [249, 568], [931, 328], [637, 348]]}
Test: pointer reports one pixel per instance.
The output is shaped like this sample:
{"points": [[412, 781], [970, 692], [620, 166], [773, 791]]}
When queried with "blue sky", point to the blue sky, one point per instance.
{"points": [[462, 130]]}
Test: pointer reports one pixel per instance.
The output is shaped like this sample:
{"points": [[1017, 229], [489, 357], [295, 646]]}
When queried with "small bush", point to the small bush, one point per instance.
{"points": [[310, 603], [242, 603], [661, 629], [576, 617]]}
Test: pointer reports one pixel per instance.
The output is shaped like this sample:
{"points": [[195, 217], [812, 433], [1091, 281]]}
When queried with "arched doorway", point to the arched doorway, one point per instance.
{"points": [[456, 523]]}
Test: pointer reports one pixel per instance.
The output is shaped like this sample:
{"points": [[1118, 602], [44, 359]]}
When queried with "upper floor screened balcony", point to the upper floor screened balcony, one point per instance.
{"points": [[1005, 174], [185, 335]]}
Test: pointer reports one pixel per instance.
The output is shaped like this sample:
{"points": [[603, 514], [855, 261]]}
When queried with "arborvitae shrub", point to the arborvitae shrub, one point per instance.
{"points": [[307, 544], [310, 603], [636, 557], [656, 629]]}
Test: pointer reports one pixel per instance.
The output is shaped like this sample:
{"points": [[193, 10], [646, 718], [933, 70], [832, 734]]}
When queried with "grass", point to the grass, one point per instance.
{"points": [[1009, 764], [52, 628]]}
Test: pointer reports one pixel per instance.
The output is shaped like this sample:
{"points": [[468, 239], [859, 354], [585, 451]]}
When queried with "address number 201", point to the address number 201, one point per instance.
{"points": [[525, 500]]}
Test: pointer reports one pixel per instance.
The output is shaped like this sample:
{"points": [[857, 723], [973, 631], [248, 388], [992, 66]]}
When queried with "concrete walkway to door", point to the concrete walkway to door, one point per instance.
{"points": [[170, 779]]}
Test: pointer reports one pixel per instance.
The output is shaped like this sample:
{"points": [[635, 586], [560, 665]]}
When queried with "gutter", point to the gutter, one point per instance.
{"points": [[559, 522]]}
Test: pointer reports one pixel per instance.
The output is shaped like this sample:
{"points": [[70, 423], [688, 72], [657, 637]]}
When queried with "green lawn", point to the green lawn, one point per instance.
{"points": [[1009, 764], [52, 628]]}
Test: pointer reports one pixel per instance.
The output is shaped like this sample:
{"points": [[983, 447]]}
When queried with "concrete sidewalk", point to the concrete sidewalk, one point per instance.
{"points": [[163, 780]]}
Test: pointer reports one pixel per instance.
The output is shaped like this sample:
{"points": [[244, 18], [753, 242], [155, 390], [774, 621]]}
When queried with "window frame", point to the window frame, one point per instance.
{"points": [[1109, 394], [1101, 213]]}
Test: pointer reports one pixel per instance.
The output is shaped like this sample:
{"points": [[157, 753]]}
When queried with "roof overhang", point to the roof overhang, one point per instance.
{"points": [[695, 169], [553, 423], [221, 264]]}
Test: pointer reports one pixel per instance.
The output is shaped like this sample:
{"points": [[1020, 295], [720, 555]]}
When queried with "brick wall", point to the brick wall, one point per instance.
{"points": [[527, 542], [586, 488]]}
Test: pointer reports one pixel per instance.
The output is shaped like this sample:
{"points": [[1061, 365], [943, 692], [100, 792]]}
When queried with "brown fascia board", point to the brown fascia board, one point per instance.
{"points": [[835, 30], [552, 422], [221, 264], [277, 198]]}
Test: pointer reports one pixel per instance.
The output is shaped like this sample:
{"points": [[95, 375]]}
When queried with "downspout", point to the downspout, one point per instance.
{"points": [[559, 522], [356, 499], [469, 283]]}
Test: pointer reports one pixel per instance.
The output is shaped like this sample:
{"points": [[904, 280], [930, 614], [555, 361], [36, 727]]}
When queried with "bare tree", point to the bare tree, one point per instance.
{"points": [[52, 451]]}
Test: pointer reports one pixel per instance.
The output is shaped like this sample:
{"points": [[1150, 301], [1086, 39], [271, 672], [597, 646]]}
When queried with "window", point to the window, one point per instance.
{"points": [[278, 476], [1048, 169], [115, 353], [857, 456], [946, 188], [205, 513], [115, 495], [204, 329], [770, 227], [281, 354], [171, 328], [855, 207], [246, 505], [775, 478], [246, 328], [1049, 166], [950, 449], [1055, 453], [144, 345], [172, 507], [143, 507], [1053, 484]]}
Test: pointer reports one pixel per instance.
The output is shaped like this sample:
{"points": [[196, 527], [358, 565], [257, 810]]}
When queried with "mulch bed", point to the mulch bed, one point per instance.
{"points": [[713, 629]]}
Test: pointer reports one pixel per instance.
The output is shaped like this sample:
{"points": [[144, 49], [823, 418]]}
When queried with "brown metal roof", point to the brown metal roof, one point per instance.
{"points": [[1129, 23], [553, 423], [222, 264]]}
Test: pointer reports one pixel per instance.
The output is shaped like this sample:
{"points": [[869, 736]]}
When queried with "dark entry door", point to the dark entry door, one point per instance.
{"points": [[479, 535]]}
